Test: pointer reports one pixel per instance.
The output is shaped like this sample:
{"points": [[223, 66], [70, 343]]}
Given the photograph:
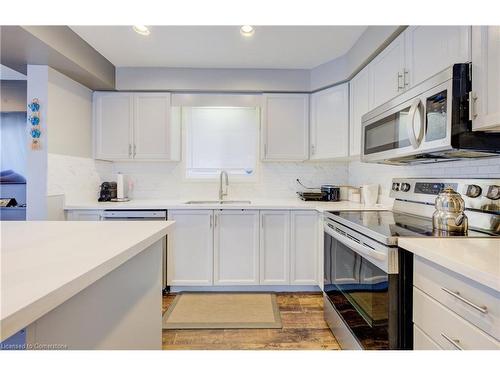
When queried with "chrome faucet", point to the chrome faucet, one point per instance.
{"points": [[222, 194]]}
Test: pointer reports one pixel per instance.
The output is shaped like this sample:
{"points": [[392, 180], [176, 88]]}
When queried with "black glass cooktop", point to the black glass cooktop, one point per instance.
{"points": [[396, 224]]}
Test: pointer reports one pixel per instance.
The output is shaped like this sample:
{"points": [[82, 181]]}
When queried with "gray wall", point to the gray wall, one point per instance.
{"points": [[369, 44], [186, 79]]}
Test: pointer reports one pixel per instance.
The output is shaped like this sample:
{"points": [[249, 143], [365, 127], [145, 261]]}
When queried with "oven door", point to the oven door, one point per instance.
{"points": [[362, 295], [410, 127]]}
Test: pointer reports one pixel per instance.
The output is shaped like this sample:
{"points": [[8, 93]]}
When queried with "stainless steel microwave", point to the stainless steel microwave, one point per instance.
{"points": [[426, 124]]}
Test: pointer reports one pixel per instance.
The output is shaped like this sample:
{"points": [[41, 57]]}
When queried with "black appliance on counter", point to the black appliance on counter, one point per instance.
{"points": [[108, 192], [368, 278], [329, 193]]}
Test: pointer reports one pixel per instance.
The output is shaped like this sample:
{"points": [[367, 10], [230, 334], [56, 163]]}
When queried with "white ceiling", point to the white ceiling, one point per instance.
{"points": [[271, 47]]}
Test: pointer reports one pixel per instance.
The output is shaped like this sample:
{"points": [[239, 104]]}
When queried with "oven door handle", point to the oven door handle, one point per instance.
{"points": [[414, 139], [359, 248]]}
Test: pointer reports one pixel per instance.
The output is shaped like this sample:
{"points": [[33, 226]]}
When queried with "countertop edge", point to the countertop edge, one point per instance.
{"points": [[450, 264], [28, 314]]}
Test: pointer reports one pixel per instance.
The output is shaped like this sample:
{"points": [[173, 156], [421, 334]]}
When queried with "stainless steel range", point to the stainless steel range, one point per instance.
{"points": [[367, 278]]}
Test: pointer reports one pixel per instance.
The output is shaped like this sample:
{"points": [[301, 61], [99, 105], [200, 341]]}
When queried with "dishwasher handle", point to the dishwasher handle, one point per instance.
{"points": [[134, 215]]}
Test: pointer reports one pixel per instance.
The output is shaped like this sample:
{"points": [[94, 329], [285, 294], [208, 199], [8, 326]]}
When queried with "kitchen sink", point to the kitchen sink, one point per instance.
{"points": [[218, 202]]}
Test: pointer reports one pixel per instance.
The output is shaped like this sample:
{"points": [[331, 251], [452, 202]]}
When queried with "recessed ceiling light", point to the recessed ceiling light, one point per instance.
{"points": [[247, 30], [141, 29]]}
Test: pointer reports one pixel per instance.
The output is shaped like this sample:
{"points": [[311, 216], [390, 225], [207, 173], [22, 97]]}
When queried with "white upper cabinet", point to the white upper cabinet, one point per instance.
{"points": [[113, 131], [430, 49], [236, 243], [330, 123], [130, 126], [274, 247], [359, 104], [486, 78], [387, 72], [190, 248], [151, 126], [285, 127]]}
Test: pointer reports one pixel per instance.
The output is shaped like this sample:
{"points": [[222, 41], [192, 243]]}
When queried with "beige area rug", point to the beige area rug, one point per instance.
{"points": [[222, 310]]}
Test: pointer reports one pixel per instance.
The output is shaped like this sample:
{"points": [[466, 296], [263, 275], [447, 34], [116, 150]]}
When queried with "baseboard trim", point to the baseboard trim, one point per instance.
{"points": [[247, 288]]}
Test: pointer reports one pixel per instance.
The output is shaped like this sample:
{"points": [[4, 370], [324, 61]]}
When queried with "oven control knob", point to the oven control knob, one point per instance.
{"points": [[493, 192], [473, 191], [395, 186], [405, 187]]}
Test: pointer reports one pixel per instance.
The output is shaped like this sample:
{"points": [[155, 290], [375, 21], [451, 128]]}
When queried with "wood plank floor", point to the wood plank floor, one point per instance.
{"points": [[303, 328]]}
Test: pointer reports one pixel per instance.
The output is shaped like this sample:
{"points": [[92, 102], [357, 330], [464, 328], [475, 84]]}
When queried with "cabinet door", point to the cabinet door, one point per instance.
{"points": [[359, 104], [190, 248], [486, 77], [430, 49], [113, 129], [304, 248], [236, 239], [285, 125], [330, 123], [386, 72], [151, 126], [274, 247]]}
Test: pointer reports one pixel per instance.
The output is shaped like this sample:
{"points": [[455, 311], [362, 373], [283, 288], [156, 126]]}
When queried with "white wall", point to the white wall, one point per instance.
{"points": [[367, 173], [70, 112], [276, 180], [36, 160]]}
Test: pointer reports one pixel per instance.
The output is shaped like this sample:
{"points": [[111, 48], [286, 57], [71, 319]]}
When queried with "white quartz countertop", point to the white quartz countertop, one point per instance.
{"points": [[475, 258], [256, 204], [44, 263]]}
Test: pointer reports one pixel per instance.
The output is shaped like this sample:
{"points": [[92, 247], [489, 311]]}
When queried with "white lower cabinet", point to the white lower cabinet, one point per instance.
{"points": [[451, 311], [275, 247], [190, 248], [236, 247], [423, 342], [304, 247]]}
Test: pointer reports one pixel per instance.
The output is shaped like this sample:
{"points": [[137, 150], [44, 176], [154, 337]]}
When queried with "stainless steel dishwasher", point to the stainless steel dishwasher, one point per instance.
{"points": [[139, 215]]}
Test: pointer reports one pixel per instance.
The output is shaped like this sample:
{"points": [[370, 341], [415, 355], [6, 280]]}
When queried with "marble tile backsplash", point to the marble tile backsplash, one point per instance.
{"points": [[76, 177], [274, 180], [79, 178], [363, 173]]}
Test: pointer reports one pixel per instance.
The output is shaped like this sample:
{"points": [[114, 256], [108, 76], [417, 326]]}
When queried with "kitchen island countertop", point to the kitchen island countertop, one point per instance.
{"points": [[45, 263]]}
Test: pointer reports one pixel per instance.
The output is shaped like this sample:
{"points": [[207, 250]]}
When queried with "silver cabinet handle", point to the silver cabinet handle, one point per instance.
{"points": [[215, 220], [405, 80], [211, 221], [482, 309], [129, 150], [265, 149], [313, 149], [472, 105], [134, 150], [454, 342], [400, 86]]}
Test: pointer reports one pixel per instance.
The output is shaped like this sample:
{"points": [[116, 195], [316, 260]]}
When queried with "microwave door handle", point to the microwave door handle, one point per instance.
{"points": [[359, 248], [414, 139]]}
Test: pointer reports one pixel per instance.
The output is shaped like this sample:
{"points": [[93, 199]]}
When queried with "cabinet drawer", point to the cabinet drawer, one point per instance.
{"points": [[423, 342], [440, 283], [445, 327]]}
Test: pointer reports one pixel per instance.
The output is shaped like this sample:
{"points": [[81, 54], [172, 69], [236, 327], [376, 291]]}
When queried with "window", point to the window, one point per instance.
{"points": [[221, 138]]}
